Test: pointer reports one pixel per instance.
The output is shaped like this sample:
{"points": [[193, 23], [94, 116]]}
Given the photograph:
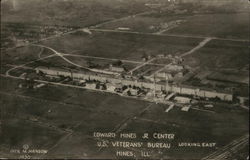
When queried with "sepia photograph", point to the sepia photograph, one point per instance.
{"points": [[124, 79]]}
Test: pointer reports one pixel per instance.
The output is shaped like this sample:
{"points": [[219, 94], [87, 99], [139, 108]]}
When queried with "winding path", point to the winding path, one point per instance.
{"points": [[61, 55]]}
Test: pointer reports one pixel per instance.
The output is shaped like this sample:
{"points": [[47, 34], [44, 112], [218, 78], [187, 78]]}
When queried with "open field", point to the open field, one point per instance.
{"points": [[42, 20], [121, 45], [18, 132], [22, 55], [234, 25], [65, 13], [233, 77], [41, 137], [146, 23], [208, 25], [77, 145], [118, 46], [220, 54]]}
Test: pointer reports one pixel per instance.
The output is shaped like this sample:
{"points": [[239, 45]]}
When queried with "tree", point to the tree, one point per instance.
{"points": [[124, 87], [118, 63], [129, 93]]}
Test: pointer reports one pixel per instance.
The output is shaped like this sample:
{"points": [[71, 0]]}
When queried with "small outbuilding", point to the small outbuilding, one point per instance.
{"points": [[183, 100]]}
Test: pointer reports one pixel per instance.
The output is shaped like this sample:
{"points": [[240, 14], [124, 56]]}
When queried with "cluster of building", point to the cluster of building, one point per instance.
{"points": [[170, 73], [167, 25], [20, 34], [113, 82]]}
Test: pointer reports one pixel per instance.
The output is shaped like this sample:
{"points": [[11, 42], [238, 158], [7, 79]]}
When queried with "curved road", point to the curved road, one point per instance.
{"points": [[61, 55]]}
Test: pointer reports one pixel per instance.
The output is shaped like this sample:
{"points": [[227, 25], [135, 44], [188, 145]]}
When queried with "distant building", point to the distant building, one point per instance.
{"points": [[160, 55], [53, 71], [133, 92], [113, 87], [90, 85], [175, 67], [110, 87], [152, 27], [169, 56], [152, 79], [179, 75], [164, 75], [116, 69], [242, 100], [185, 108], [123, 28], [182, 100], [209, 106]]}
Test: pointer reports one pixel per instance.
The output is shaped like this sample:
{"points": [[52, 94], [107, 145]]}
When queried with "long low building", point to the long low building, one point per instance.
{"points": [[185, 90]]}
